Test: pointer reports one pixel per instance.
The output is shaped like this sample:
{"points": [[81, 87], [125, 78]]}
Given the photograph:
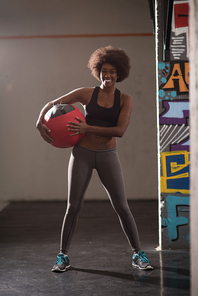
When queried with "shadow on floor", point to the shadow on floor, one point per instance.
{"points": [[100, 254]]}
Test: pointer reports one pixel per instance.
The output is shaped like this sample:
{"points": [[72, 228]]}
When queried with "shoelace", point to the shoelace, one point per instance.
{"points": [[143, 257], [61, 258]]}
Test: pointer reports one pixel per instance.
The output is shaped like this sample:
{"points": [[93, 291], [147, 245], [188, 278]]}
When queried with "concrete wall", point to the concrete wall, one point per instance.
{"points": [[174, 137], [36, 67], [194, 142]]}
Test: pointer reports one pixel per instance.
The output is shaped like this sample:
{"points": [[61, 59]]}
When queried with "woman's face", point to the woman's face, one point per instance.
{"points": [[108, 74]]}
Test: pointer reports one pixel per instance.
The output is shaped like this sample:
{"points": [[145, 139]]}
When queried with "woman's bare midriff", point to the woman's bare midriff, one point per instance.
{"points": [[92, 141]]}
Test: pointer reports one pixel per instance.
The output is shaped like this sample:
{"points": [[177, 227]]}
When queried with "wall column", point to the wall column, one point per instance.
{"points": [[194, 141], [172, 48]]}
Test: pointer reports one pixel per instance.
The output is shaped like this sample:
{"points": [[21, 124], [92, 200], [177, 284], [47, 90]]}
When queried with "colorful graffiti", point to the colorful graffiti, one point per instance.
{"points": [[173, 77], [178, 79], [175, 172], [174, 108], [175, 221]]}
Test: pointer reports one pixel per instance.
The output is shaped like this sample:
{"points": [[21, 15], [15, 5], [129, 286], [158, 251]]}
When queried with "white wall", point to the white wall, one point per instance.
{"points": [[36, 70]]}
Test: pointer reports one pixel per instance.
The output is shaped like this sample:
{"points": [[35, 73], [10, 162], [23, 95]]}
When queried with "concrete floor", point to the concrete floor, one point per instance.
{"points": [[100, 255]]}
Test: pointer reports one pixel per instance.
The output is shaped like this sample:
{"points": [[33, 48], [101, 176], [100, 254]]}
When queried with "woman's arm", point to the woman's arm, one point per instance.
{"points": [[80, 95], [117, 131]]}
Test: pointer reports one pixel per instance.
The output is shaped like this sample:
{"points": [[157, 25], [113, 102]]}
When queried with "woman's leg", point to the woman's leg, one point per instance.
{"points": [[110, 173], [79, 175]]}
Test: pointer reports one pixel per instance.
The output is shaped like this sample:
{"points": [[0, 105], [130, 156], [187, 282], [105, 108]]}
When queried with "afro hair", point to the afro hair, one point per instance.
{"points": [[116, 57]]}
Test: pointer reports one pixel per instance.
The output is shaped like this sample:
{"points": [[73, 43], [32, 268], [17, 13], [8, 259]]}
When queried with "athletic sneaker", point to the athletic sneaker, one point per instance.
{"points": [[61, 263], [141, 261]]}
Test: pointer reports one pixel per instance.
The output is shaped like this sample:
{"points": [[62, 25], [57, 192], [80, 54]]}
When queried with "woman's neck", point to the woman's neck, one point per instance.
{"points": [[108, 89]]}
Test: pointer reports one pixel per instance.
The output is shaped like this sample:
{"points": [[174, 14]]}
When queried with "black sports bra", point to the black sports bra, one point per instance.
{"points": [[102, 116]]}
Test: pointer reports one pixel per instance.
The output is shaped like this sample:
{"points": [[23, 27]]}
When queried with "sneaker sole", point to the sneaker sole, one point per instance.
{"points": [[57, 269], [143, 268]]}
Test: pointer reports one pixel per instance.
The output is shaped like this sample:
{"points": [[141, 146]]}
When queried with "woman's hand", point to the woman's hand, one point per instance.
{"points": [[77, 127], [44, 130]]}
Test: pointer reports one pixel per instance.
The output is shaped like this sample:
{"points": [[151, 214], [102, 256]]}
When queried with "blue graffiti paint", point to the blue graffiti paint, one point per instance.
{"points": [[180, 184], [176, 112], [163, 80], [161, 65], [161, 93], [179, 159], [173, 221], [188, 239], [173, 94]]}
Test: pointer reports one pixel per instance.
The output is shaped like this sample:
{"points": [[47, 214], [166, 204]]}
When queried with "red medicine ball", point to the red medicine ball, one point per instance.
{"points": [[56, 119]]}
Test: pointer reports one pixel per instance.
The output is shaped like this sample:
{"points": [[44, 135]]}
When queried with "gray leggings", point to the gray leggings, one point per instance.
{"points": [[106, 162]]}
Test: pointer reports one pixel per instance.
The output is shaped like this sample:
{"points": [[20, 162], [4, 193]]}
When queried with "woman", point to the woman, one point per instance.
{"points": [[107, 113]]}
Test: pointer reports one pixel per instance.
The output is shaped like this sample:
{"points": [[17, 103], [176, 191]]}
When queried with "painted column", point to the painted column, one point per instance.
{"points": [[194, 143], [173, 110]]}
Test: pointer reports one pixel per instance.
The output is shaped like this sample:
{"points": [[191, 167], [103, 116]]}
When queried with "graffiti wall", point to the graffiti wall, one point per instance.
{"points": [[173, 75]]}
